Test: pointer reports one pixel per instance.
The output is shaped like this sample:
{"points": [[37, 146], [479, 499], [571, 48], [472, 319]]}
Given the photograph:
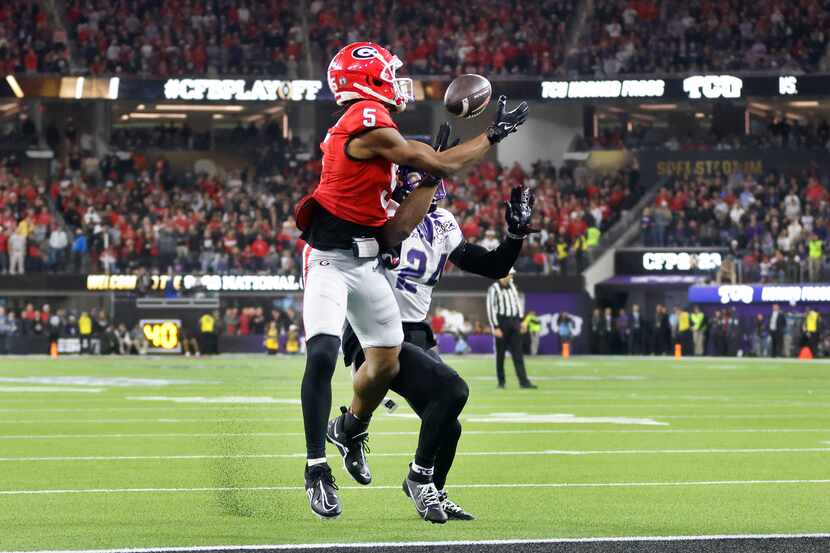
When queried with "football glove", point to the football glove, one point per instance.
{"points": [[518, 212], [390, 259], [506, 122]]}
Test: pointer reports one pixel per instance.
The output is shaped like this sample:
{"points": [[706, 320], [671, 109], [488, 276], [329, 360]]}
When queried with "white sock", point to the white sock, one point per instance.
{"points": [[318, 461], [425, 471]]}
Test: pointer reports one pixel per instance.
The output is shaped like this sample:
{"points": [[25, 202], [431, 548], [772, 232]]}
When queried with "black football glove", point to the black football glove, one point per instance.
{"points": [[443, 136], [518, 212], [390, 259], [506, 122]]}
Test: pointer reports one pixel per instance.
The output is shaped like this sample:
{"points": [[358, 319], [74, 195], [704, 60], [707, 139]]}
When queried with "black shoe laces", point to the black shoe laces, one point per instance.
{"points": [[362, 440], [327, 477]]}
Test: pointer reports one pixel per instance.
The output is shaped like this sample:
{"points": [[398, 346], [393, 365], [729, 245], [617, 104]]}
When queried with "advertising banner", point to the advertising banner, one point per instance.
{"points": [[689, 88], [655, 166], [747, 294], [667, 261]]}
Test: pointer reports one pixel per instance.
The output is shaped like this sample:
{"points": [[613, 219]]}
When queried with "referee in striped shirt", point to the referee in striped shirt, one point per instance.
{"points": [[505, 311]]}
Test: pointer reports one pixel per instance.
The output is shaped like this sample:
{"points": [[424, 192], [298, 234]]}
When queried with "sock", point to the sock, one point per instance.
{"points": [[353, 425], [422, 475], [426, 471], [318, 461], [316, 391]]}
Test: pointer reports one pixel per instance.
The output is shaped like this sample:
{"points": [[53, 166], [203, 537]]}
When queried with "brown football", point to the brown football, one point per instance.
{"points": [[468, 96]]}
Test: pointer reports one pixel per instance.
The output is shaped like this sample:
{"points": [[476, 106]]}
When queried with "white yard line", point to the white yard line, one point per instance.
{"points": [[564, 452], [49, 390], [448, 543], [415, 433], [176, 420], [691, 483]]}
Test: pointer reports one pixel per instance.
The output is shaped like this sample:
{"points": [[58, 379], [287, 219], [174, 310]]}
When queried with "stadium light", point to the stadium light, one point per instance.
{"points": [[804, 104], [115, 83], [79, 88], [658, 107], [15, 86], [135, 115], [177, 107]]}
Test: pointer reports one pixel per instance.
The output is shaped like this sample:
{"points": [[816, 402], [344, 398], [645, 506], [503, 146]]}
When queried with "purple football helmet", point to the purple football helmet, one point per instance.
{"points": [[410, 178]]}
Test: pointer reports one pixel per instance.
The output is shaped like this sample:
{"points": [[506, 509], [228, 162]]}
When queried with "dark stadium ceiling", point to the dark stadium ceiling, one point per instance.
{"points": [[663, 112]]}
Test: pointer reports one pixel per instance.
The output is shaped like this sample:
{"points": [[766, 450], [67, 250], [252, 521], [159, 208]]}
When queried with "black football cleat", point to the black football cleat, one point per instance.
{"points": [[529, 386], [322, 491], [453, 511], [353, 449], [426, 500]]}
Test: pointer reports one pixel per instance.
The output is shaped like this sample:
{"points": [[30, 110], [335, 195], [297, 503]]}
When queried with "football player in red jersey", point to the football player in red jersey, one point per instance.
{"points": [[346, 225]]}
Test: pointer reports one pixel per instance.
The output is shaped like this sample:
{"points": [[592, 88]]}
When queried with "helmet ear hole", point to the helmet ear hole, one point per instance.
{"points": [[378, 82]]}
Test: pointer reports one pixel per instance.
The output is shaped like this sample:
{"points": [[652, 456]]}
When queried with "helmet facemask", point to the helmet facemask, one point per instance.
{"points": [[403, 88], [409, 179]]}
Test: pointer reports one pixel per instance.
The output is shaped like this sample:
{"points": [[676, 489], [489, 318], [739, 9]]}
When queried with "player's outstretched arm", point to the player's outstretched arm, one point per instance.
{"points": [[414, 208], [493, 264], [407, 216], [497, 263], [389, 144]]}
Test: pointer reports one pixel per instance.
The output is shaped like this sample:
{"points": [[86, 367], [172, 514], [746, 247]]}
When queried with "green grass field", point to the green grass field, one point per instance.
{"points": [[97, 453]]}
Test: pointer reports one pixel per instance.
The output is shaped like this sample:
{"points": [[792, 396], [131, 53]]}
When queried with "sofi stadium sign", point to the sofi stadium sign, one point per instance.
{"points": [[758, 293], [260, 90]]}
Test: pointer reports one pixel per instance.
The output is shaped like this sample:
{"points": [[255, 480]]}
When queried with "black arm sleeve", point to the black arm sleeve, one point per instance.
{"points": [[491, 264]]}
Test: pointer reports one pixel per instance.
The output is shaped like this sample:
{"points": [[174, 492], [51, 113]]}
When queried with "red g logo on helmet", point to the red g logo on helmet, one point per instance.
{"points": [[366, 71]]}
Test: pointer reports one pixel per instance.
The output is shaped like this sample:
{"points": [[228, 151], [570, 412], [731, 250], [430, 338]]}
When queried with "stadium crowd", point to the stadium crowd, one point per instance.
{"points": [[491, 37], [775, 225], [29, 42], [151, 38], [125, 213], [644, 36]]}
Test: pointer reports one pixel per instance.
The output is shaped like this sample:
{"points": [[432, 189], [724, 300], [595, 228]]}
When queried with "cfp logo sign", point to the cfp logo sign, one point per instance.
{"points": [[680, 261], [735, 294], [712, 86]]}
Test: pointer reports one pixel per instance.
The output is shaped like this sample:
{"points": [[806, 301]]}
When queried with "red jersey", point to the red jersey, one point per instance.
{"points": [[356, 190]]}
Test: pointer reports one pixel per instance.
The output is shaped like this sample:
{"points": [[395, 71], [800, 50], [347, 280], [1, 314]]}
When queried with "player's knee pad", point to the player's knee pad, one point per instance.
{"points": [[321, 356]]}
